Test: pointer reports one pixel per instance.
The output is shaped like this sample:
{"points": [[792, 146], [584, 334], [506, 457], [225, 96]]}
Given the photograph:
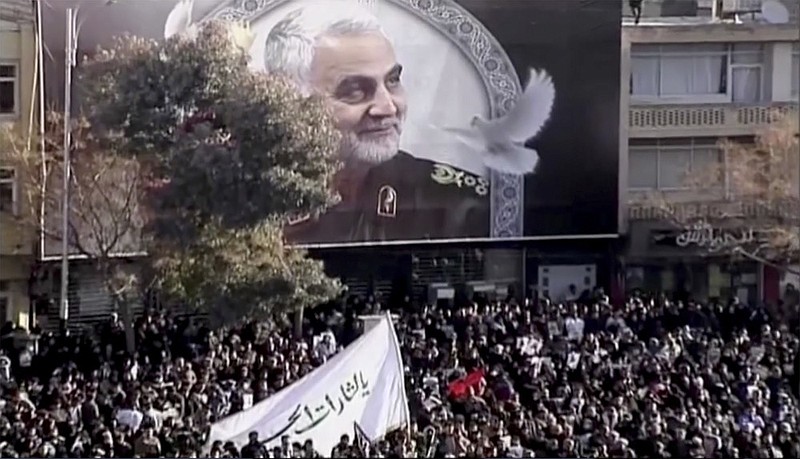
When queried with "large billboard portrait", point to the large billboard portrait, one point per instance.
{"points": [[459, 119]]}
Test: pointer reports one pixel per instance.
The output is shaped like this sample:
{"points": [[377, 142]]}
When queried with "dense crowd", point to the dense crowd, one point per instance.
{"points": [[652, 378]]}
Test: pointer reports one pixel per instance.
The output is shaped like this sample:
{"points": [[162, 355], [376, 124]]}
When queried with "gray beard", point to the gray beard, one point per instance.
{"points": [[370, 152]]}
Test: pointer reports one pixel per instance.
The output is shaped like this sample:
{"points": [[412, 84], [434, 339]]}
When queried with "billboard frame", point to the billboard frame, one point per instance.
{"points": [[453, 241], [490, 61]]}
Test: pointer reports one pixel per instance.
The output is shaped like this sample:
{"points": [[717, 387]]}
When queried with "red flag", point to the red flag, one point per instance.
{"points": [[460, 387]]}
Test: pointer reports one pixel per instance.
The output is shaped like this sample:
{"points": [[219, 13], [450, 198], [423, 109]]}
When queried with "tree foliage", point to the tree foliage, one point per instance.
{"points": [[245, 264], [756, 187], [231, 154], [234, 145]]}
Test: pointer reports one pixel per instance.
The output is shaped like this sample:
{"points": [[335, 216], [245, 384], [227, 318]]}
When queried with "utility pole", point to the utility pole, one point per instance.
{"points": [[69, 63], [32, 316]]}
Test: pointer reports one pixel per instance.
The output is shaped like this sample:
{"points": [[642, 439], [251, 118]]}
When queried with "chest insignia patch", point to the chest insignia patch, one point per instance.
{"points": [[449, 175], [387, 202]]}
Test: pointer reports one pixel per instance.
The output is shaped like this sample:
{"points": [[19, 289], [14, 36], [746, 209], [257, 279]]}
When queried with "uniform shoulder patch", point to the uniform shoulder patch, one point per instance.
{"points": [[444, 174]]}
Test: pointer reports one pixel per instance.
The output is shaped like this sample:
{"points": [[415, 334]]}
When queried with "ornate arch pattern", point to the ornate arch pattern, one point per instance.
{"points": [[490, 60]]}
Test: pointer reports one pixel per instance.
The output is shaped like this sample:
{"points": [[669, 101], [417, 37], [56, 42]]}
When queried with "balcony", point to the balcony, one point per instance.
{"points": [[707, 120]]}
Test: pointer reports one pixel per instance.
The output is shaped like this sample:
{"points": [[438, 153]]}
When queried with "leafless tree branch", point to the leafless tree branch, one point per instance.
{"points": [[104, 195], [754, 188]]}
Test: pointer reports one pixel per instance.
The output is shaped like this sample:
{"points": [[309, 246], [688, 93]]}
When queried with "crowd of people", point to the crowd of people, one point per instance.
{"points": [[650, 378]]}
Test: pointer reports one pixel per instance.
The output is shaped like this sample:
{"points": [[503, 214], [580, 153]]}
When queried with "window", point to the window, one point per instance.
{"points": [[747, 61], [8, 190], [697, 73], [796, 70], [9, 89], [664, 165], [4, 303]]}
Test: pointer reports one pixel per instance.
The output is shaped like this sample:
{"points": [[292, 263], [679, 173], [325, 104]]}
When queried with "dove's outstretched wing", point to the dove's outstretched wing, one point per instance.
{"points": [[179, 19], [500, 142], [529, 115], [508, 158]]}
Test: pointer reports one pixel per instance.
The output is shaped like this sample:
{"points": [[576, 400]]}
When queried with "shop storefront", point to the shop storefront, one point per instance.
{"points": [[516, 270], [664, 259], [566, 269], [394, 273]]}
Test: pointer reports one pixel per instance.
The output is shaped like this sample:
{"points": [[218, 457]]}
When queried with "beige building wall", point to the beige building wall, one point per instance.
{"points": [[673, 121], [17, 52], [667, 122]]}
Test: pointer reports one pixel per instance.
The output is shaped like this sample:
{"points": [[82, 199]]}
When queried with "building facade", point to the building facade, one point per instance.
{"points": [[693, 72], [18, 107], [546, 231], [693, 82]]}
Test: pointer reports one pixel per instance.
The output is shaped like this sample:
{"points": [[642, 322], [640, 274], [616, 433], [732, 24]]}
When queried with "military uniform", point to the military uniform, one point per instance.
{"points": [[404, 198]]}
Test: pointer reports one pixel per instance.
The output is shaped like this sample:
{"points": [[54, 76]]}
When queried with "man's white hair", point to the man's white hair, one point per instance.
{"points": [[289, 47]]}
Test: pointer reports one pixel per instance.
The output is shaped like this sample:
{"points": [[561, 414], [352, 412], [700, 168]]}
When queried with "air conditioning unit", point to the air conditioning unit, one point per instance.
{"points": [[705, 8], [733, 7]]}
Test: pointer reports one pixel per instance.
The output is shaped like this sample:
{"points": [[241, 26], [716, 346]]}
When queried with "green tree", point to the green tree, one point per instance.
{"points": [[247, 264], [231, 153]]}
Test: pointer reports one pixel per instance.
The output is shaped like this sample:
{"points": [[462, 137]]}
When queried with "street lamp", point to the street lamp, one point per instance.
{"points": [[70, 53]]}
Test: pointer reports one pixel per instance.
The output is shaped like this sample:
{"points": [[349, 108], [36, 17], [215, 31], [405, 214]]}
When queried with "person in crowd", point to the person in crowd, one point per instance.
{"points": [[648, 378]]}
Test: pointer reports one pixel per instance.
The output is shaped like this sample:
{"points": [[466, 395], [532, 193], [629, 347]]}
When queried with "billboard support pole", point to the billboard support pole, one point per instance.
{"points": [[69, 61]]}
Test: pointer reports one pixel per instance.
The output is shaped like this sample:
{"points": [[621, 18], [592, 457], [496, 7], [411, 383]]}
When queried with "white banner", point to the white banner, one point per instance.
{"points": [[364, 384]]}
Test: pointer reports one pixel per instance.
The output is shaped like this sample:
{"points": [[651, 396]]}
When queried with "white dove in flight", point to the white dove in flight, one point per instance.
{"points": [[501, 141], [179, 20]]}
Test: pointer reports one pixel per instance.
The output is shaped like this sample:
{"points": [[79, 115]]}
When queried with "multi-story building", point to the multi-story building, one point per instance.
{"points": [[698, 71], [18, 102], [721, 73]]}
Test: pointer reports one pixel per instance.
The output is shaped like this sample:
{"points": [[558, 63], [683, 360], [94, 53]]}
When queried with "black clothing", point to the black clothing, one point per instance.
{"points": [[405, 198], [254, 450]]}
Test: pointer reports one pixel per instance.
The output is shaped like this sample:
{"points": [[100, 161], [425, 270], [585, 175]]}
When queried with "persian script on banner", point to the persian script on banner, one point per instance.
{"points": [[363, 384]]}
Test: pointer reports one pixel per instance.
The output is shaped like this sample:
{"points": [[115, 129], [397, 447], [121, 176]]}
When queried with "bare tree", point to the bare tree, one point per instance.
{"points": [[105, 222], [755, 193]]}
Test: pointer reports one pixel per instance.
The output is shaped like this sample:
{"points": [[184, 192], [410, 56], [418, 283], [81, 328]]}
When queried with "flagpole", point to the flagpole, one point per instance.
{"points": [[402, 372]]}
